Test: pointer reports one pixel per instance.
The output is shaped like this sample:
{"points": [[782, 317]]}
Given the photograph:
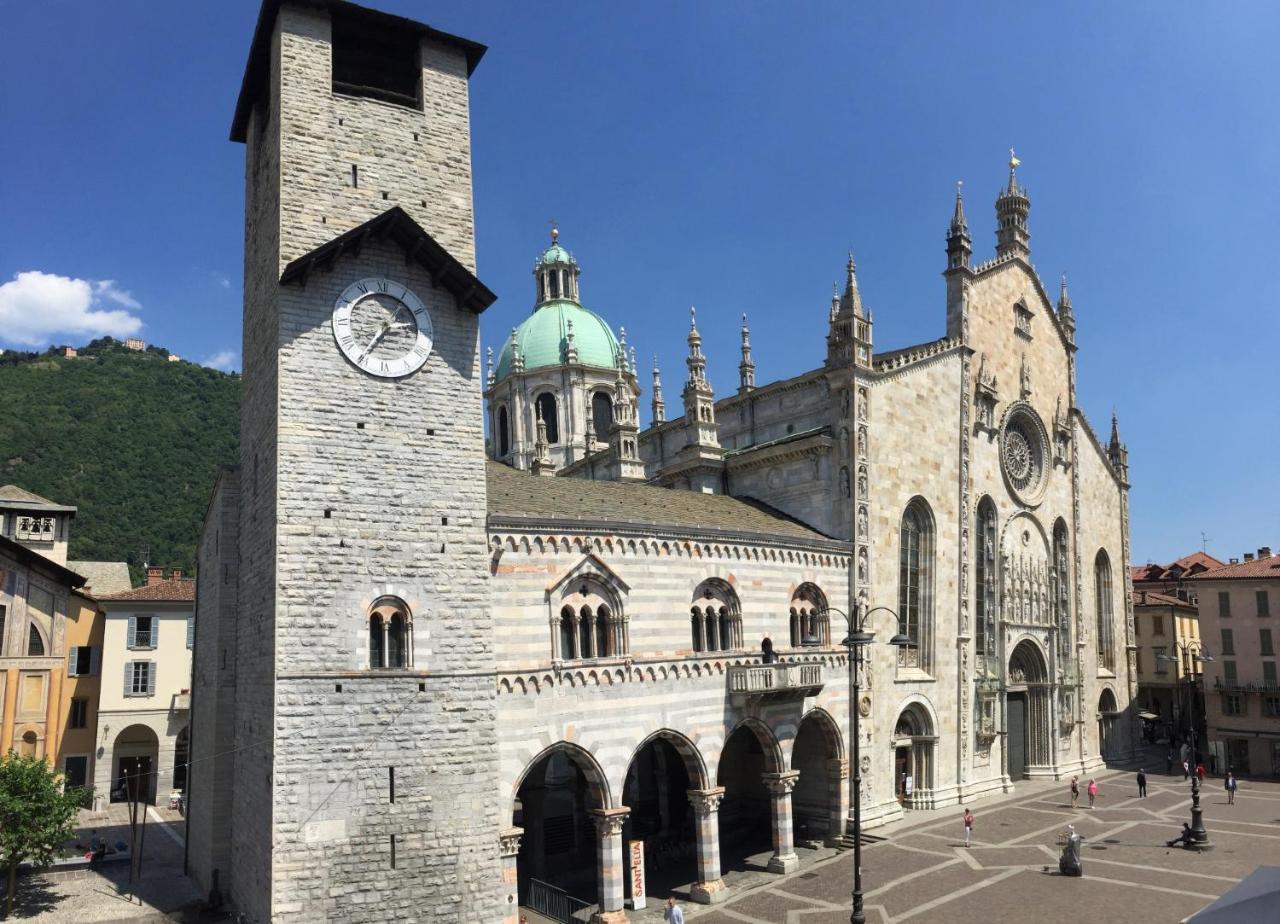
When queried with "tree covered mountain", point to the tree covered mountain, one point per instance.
{"points": [[129, 437]]}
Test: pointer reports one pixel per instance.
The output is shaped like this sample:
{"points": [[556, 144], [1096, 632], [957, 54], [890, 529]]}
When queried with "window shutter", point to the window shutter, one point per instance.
{"points": [[73, 658], [151, 679], [128, 676], [95, 660], [191, 630], [133, 631]]}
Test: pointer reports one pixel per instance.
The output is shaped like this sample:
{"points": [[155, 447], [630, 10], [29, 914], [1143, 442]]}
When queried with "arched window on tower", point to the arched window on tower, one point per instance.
{"points": [[504, 432], [985, 582], [546, 409], [915, 585], [390, 635], [35, 644], [602, 415], [1102, 602], [554, 278]]}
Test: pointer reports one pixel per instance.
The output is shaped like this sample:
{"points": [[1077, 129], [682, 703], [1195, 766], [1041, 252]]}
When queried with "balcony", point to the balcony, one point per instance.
{"points": [[1246, 686], [784, 680], [181, 702]]}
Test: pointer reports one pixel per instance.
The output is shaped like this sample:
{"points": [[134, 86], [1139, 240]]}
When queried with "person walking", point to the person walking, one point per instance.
{"points": [[1142, 783], [968, 826], [1200, 771], [673, 914], [1075, 790], [1186, 771], [1230, 784], [1093, 792]]}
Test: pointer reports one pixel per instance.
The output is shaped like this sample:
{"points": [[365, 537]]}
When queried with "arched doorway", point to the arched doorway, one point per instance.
{"points": [[746, 814], [1029, 739], [559, 845], [817, 806], [181, 754], [134, 764], [914, 738], [1107, 711], [656, 791]]}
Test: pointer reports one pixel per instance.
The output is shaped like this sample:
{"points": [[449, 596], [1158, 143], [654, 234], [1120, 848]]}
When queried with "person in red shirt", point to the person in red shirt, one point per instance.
{"points": [[1200, 772]]}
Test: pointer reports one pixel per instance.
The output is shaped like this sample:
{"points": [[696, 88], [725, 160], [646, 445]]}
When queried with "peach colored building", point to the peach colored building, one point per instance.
{"points": [[1239, 603]]}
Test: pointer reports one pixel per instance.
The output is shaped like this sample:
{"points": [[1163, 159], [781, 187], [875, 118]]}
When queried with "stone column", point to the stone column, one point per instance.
{"points": [[609, 864], [509, 851], [780, 786], [709, 888], [837, 799]]}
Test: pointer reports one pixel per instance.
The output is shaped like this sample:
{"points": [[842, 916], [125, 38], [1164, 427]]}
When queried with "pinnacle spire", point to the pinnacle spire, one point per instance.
{"points": [[1065, 315], [1115, 430], [622, 349], [851, 300], [696, 362], [489, 365], [959, 244], [1012, 207], [958, 221], [658, 407], [746, 368]]}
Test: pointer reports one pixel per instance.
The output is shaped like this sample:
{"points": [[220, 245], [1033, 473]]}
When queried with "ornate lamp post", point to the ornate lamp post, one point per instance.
{"points": [[1200, 837], [857, 639]]}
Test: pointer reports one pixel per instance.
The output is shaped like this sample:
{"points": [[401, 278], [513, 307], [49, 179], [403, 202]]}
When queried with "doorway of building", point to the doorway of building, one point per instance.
{"points": [[559, 846], [135, 755], [1017, 737], [746, 813], [815, 802], [658, 782], [901, 765]]}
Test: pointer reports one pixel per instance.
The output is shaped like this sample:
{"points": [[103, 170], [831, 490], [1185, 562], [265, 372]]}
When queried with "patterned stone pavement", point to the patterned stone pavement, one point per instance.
{"points": [[922, 873]]}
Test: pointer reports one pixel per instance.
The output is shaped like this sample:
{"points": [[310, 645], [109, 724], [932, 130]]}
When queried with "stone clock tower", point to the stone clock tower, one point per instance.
{"points": [[364, 770]]}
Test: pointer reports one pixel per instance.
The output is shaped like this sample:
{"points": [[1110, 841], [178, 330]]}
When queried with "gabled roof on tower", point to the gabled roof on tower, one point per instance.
{"points": [[396, 225], [258, 66], [13, 496]]}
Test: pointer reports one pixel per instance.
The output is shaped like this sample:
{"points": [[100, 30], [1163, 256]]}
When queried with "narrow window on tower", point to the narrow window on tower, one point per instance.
{"points": [[391, 784]]}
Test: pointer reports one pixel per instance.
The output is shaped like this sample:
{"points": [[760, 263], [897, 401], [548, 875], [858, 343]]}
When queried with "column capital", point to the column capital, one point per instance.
{"points": [[706, 802], [509, 841], [781, 784], [838, 767], [609, 821]]}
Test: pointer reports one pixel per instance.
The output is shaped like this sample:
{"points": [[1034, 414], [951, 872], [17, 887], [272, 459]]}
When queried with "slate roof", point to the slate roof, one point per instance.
{"points": [[169, 591], [517, 495], [1268, 567], [13, 496], [103, 577]]}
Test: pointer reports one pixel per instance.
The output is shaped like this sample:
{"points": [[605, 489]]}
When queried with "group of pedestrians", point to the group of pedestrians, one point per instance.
{"points": [[1091, 789]]}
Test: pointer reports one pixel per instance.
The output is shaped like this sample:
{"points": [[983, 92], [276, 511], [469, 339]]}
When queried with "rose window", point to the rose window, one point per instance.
{"points": [[1022, 451]]}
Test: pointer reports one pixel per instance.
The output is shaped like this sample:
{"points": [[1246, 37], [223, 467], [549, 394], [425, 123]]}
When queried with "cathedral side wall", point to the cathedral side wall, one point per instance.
{"points": [[773, 413], [398, 466]]}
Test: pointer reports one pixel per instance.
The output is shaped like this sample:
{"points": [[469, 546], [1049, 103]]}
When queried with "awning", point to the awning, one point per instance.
{"points": [[1149, 716]]}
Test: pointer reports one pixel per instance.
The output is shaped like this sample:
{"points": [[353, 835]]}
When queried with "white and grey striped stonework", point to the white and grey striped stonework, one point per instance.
{"points": [[706, 810], [609, 824], [780, 786]]}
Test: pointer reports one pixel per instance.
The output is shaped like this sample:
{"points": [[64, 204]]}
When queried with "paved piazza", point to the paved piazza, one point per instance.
{"points": [[921, 873]]}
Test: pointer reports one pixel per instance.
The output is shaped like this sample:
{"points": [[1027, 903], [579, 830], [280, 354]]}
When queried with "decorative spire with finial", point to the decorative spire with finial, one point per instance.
{"points": [[570, 348], [851, 300], [1117, 452], [1012, 207], [517, 359], [696, 362], [1065, 313], [835, 303], [746, 368], [959, 244], [555, 231], [489, 364], [633, 368], [622, 348], [658, 407], [542, 464]]}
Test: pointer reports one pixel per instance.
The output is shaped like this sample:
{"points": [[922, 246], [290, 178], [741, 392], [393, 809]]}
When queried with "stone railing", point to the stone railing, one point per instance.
{"points": [[784, 678]]}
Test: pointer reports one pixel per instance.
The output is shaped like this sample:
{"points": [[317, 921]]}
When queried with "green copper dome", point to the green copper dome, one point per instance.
{"points": [[542, 338], [556, 254]]}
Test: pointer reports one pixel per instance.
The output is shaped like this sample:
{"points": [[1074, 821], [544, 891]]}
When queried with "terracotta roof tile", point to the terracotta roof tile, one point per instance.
{"points": [[1259, 568], [181, 591], [1155, 598]]}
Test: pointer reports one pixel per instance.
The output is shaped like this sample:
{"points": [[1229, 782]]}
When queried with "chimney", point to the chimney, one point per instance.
{"points": [[1248, 556], [1143, 601], [1264, 552], [154, 576], [1233, 561], [177, 575]]}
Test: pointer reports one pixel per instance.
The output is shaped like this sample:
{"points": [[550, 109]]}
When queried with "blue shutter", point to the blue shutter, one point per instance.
{"points": [[73, 658], [133, 631], [191, 630], [95, 660], [128, 675], [151, 678]]}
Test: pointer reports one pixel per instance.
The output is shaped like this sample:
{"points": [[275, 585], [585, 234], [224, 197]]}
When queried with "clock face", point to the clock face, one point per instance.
{"points": [[382, 327]]}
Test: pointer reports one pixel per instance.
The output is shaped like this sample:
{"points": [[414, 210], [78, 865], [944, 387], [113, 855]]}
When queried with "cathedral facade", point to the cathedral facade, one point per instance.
{"points": [[431, 683]]}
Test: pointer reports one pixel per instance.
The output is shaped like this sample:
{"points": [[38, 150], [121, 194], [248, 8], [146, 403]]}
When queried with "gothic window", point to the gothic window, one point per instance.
{"points": [[591, 625], [985, 582], [554, 278], [602, 415], [1102, 602], [547, 410], [504, 432], [716, 617], [915, 584], [809, 616], [1060, 587], [390, 635], [35, 644]]}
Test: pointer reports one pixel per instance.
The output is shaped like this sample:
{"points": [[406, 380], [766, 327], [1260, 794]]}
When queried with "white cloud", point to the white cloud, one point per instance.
{"points": [[36, 307], [222, 279], [223, 360]]}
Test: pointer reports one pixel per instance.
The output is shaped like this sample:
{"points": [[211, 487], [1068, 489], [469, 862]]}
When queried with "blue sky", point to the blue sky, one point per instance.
{"points": [[726, 156]]}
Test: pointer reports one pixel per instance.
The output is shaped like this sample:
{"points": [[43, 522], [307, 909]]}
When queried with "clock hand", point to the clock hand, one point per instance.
{"points": [[373, 342]]}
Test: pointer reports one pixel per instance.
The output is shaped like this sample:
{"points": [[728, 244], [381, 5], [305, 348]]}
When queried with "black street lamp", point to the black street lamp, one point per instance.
{"points": [[857, 639], [1199, 836]]}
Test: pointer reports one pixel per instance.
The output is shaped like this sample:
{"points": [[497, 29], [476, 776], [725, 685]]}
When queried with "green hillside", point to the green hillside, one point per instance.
{"points": [[130, 438]]}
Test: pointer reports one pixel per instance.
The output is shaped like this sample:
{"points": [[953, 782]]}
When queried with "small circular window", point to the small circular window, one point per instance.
{"points": [[1023, 445]]}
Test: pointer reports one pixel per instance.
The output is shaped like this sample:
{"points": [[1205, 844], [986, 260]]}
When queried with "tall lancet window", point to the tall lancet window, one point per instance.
{"points": [[984, 584], [547, 410], [1102, 602], [915, 585], [602, 415]]}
